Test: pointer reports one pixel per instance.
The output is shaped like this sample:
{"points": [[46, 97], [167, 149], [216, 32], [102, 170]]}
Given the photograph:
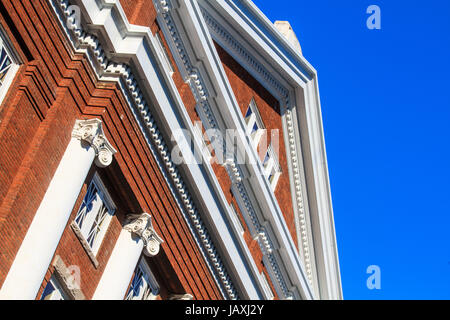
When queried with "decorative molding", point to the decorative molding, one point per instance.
{"points": [[285, 99], [267, 288], [91, 132], [89, 44], [141, 226], [84, 244], [235, 173], [66, 279], [220, 33], [235, 12], [299, 198]]}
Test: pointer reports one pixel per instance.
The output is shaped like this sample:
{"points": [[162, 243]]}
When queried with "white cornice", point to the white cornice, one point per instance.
{"points": [[255, 26], [295, 73], [168, 23], [260, 34], [229, 43], [265, 77], [109, 70], [264, 231], [127, 43]]}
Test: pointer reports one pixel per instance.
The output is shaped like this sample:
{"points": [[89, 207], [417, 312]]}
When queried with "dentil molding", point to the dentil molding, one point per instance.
{"points": [[106, 69]]}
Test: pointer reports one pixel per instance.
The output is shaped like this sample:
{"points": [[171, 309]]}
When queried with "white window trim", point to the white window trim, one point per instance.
{"points": [[272, 166], [111, 208], [250, 121], [152, 283], [58, 293]]}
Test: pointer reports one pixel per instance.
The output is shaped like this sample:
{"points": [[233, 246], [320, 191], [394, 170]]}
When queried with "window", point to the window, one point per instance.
{"points": [[5, 63], [95, 213], [54, 291], [271, 166], [144, 285], [9, 63], [256, 129]]}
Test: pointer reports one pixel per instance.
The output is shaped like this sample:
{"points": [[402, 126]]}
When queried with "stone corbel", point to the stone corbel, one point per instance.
{"points": [[141, 226], [91, 132]]}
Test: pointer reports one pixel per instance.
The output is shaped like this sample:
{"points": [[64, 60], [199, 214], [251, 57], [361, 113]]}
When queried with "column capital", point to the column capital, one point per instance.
{"points": [[91, 132], [186, 296], [141, 225]]}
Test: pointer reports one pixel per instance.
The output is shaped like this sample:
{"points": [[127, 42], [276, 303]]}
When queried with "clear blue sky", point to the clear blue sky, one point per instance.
{"points": [[386, 109]]}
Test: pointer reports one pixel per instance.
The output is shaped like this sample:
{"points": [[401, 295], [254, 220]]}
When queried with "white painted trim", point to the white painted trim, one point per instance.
{"points": [[267, 75], [291, 70], [190, 14], [323, 220], [110, 206], [246, 55], [41, 240], [233, 170], [35, 254], [137, 44], [164, 56], [158, 85]]}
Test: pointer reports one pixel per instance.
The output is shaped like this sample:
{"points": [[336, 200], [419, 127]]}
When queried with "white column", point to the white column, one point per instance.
{"points": [[38, 247], [136, 235]]}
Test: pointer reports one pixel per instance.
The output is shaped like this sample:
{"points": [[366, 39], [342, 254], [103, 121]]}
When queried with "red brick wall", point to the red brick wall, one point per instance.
{"points": [[53, 88], [140, 12], [70, 248], [245, 87], [221, 173]]}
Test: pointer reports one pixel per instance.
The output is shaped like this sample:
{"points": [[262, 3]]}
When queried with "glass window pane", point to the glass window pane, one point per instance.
{"points": [[54, 291], [95, 213], [143, 285]]}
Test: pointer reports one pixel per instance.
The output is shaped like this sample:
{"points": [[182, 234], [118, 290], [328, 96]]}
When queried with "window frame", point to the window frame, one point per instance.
{"points": [[251, 120], [152, 284], [5, 43], [272, 174], [84, 230], [58, 292]]}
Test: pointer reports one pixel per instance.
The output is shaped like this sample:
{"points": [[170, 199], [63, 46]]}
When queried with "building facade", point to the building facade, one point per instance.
{"points": [[157, 150]]}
